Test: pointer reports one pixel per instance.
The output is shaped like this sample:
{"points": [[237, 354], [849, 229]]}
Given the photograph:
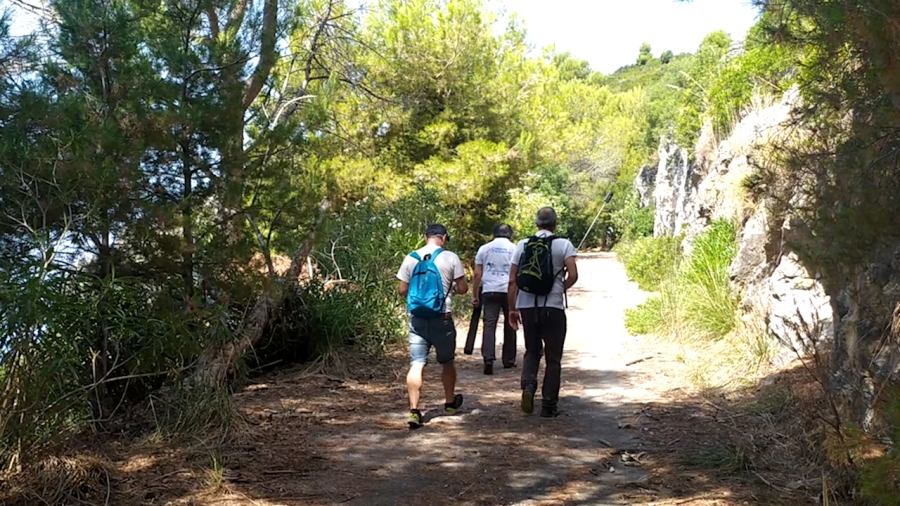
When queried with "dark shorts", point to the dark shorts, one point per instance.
{"points": [[427, 332]]}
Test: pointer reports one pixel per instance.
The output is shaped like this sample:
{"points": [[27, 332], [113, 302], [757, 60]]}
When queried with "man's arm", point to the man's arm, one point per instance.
{"points": [[513, 291], [512, 294], [571, 272], [403, 275], [461, 285], [476, 282], [459, 275]]}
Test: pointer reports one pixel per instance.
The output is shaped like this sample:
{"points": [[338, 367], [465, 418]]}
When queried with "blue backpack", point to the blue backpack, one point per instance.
{"points": [[426, 287]]}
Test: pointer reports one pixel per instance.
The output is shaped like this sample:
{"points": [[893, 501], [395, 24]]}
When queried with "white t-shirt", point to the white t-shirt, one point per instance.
{"points": [[448, 265], [495, 257], [561, 249]]}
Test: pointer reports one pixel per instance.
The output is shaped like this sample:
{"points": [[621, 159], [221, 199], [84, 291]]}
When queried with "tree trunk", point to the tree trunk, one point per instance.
{"points": [[217, 364], [100, 364], [187, 224]]}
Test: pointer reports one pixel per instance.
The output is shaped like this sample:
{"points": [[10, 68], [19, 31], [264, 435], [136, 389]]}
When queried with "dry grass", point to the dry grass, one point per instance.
{"points": [[80, 479], [739, 360]]}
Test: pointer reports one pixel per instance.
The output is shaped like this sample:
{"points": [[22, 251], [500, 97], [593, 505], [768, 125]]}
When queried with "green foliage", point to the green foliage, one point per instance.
{"points": [[763, 69], [695, 298], [844, 166], [666, 57], [650, 260], [365, 245], [703, 69], [710, 305], [645, 54], [878, 480], [631, 221], [647, 318], [546, 186], [55, 374]]}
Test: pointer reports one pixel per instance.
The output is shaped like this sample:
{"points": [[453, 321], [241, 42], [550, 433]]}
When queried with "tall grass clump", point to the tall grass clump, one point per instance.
{"points": [[695, 298], [709, 304]]}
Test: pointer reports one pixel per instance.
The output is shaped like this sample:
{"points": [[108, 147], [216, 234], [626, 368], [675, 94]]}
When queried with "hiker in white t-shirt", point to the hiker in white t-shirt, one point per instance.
{"points": [[492, 263], [543, 317]]}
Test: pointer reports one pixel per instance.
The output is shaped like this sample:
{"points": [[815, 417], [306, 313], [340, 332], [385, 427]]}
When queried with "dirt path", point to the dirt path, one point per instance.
{"points": [[322, 440], [494, 454]]}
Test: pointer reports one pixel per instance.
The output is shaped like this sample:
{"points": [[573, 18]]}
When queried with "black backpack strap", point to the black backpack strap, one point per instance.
{"points": [[550, 239]]}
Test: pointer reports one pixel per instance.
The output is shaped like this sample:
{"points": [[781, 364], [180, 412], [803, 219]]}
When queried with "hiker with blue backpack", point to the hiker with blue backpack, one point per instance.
{"points": [[543, 268], [428, 277]]}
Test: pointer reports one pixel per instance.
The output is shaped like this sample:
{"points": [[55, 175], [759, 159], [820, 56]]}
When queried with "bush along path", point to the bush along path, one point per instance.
{"points": [[630, 433]]}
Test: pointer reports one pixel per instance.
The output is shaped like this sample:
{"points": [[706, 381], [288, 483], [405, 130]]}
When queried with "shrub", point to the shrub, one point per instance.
{"points": [[695, 299], [646, 318], [354, 301], [634, 222], [649, 260]]}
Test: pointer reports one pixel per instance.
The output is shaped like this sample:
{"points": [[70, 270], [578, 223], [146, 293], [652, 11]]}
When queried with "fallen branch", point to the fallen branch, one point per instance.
{"points": [[638, 361], [767, 482]]}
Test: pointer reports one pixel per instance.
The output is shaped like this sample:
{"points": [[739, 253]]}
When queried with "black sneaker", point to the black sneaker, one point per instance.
{"points": [[528, 402], [549, 411], [488, 368], [415, 419], [451, 407]]}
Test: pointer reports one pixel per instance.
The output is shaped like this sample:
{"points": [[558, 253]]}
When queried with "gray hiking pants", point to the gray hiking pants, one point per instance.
{"points": [[494, 303], [545, 333]]}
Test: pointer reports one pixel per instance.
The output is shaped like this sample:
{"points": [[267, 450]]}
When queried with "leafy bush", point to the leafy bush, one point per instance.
{"points": [[646, 318], [74, 349], [763, 68], [545, 186], [695, 298], [354, 301], [649, 260], [632, 222]]}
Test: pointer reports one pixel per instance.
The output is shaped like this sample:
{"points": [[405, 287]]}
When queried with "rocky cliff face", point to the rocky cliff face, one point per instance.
{"points": [[689, 195], [854, 320], [645, 183], [673, 189]]}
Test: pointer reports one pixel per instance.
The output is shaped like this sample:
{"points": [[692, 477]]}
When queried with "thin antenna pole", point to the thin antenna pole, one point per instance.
{"points": [[605, 201]]}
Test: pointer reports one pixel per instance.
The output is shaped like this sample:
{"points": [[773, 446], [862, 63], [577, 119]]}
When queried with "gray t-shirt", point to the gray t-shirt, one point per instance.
{"points": [[495, 258], [561, 249], [448, 265]]}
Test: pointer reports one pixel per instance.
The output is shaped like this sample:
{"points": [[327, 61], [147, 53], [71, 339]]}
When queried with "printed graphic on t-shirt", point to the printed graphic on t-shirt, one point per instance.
{"points": [[495, 258]]}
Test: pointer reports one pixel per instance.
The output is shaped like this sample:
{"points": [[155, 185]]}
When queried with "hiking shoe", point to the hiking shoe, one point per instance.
{"points": [[451, 407], [528, 402], [415, 419], [509, 366], [488, 368], [549, 411]]}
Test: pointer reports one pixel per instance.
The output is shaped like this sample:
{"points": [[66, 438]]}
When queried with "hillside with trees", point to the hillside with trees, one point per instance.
{"points": [[197, 192]]}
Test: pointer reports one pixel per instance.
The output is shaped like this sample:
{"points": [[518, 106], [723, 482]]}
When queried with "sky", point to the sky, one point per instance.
{"points": [[608, 33]]}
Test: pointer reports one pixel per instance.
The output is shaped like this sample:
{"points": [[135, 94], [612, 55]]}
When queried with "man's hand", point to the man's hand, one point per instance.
{"points": [[475, 301], [514, 319]]}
